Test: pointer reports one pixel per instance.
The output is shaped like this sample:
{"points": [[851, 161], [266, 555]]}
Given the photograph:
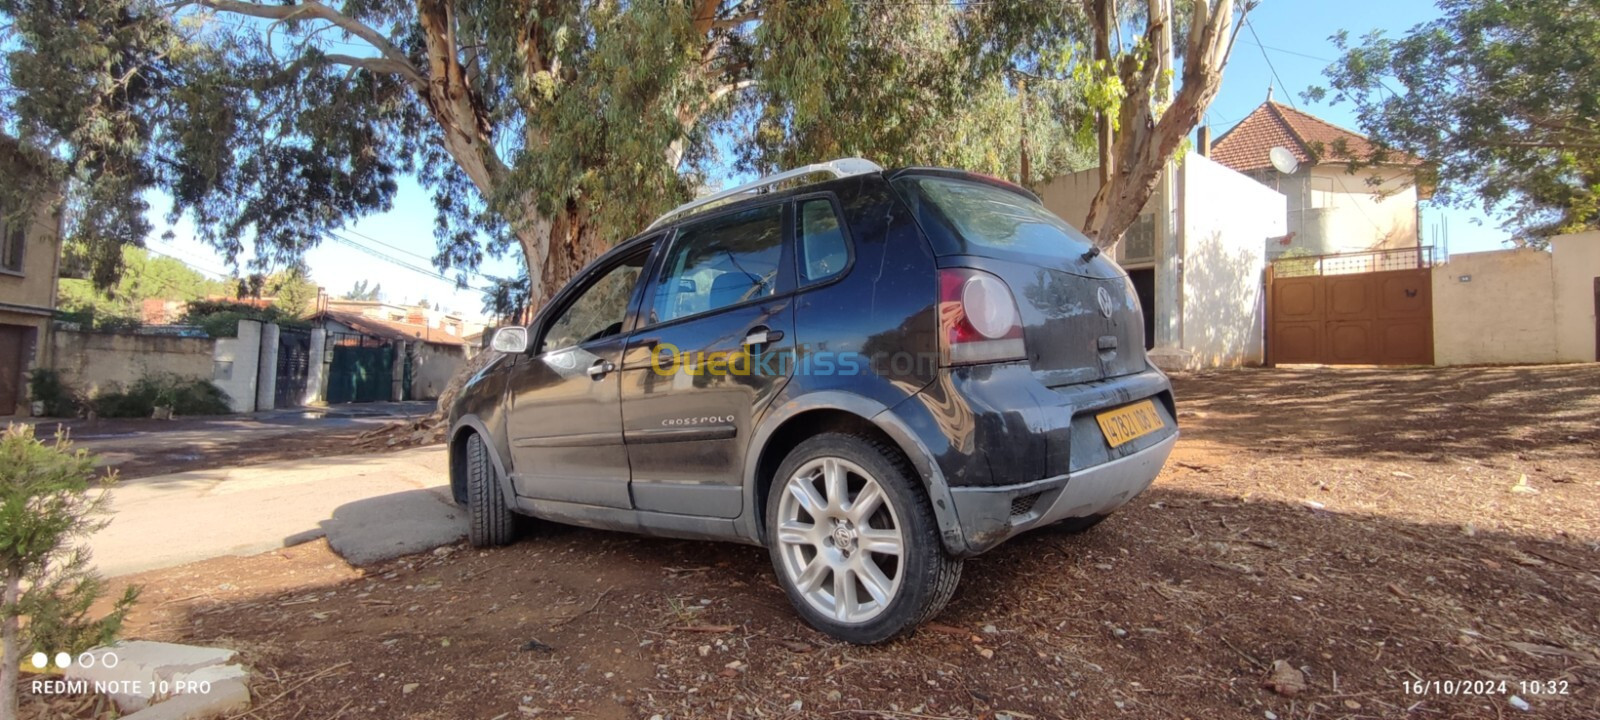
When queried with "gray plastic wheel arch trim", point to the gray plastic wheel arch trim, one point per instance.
{"points": [[933, 480], [492, 444]]}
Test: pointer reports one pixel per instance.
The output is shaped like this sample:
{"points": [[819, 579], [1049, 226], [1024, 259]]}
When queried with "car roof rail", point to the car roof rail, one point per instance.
{"points": [[841, 168]]}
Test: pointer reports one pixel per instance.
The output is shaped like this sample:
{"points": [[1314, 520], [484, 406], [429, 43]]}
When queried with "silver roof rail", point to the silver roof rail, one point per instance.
{"points": [[841, 168]]}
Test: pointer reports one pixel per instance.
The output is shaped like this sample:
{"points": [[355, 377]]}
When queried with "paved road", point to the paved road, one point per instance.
{"points": [[122, 438], [371, 507]]}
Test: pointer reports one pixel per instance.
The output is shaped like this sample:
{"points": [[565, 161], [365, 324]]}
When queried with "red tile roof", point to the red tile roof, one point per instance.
{"points": [[1312, 140], [391, 330]]}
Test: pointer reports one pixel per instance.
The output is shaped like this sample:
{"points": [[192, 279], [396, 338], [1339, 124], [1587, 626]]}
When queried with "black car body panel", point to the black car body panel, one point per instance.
{"points": [[598, 434]]}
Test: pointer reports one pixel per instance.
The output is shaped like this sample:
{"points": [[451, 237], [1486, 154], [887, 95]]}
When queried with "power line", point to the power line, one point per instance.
{"points": [[396, 261], [187, 262], [1264, 56], [419, 256], [1288, 52]]}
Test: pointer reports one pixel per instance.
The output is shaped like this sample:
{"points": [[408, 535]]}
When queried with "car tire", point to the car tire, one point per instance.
{"points": [[1079, 524], [489, 521], [884, 543]]}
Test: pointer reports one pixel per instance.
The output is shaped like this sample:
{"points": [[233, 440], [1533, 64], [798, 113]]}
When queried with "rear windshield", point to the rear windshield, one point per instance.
{"points": [[985, 217]]}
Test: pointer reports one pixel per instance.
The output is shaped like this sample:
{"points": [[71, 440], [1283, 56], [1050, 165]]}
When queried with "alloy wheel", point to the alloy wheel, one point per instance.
{"points": [[840, 540]]}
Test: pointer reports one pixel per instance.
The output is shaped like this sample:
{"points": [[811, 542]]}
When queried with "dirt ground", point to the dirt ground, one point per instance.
{"points": [[1369, 528]]}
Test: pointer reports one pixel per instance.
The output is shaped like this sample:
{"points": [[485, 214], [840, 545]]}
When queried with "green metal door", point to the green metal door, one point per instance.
{"points": [[360, 374]]}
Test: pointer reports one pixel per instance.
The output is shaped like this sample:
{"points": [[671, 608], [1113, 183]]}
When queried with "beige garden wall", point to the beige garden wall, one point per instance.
{"points": [[1494, 308], [1576, 270], [101, 362], [1518, 306]]}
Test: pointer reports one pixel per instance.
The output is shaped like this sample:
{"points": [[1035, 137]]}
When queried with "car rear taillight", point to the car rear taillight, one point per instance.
{"points": [[978, 318]]}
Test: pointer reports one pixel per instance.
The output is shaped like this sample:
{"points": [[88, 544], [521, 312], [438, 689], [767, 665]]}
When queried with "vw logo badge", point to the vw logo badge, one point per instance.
{"points": [[1105, 302]]}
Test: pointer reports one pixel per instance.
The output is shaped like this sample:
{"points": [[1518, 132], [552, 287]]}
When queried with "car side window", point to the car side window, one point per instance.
{"points": [[720, 262], [600, 310], [823, 249]]}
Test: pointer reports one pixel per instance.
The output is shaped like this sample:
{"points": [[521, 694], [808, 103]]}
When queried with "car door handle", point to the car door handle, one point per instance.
{"points": [[600, 368], [762, 336]]}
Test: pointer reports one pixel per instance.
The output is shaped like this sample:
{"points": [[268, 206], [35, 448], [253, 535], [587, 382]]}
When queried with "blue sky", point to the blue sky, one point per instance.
{"points": [[1294, 32]]}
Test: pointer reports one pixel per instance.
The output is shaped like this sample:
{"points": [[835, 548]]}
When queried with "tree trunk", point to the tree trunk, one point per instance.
{"points": [[1145, 142], [10, 632], [568, 242], [573, 243], [1105, 21]]}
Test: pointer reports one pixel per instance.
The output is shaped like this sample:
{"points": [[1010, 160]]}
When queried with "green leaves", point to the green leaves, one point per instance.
{"points": [[1502, 97], [50, 495], [558, 126], [45, 497]]}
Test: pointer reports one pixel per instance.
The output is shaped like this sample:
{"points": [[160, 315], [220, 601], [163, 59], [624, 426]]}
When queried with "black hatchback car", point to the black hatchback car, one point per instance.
{"points": [[874, 376]]}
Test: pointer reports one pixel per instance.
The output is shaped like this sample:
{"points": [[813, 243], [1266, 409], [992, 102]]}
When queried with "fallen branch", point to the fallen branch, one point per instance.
{"points": [[296, 686], [1242, 653], [583, 612], [704, 628]]}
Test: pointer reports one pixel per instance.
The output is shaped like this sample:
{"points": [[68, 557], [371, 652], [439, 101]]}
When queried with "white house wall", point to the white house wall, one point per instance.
{"points": [[1333, 211], [235, 362], [1227, 219], [432, 367]]}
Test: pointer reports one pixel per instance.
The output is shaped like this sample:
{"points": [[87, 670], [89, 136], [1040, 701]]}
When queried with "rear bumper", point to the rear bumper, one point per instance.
{"points": [[990, 515]]}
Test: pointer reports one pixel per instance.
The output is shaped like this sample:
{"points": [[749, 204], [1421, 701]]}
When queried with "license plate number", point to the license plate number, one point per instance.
{"points": [[1129, 422]]}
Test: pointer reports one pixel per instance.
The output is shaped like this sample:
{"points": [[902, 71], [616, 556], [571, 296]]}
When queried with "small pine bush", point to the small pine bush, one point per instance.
{"points": [[50, 497]]}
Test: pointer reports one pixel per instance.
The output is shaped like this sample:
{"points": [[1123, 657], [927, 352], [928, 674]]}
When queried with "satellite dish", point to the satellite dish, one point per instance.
{"points": [[1283, 160]]}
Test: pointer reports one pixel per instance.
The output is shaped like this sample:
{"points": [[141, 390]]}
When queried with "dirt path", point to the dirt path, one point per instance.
{"points": [[1368, 527]]}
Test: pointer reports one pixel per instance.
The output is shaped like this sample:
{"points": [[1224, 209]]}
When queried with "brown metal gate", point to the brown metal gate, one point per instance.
{"points": [[1359, 309]]}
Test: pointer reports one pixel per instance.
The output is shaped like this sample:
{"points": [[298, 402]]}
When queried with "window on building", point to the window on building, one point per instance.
{"points": [[1139, 242], [11, 242], [1323, 190]]}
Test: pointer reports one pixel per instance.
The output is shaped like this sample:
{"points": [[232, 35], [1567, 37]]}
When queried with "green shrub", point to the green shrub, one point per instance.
{"points": [[49, 496], [89, 318], [184, 396], [220, 318], [45, 386], [220, 325]]}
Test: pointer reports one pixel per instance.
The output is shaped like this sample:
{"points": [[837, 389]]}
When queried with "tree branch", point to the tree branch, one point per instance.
{"points": [[723, 91], [729, 23], [377, 65], [316, 10]]}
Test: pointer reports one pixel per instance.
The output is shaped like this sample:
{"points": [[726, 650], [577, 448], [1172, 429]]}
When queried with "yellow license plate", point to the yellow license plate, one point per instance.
{"points": [[1129, 422]]}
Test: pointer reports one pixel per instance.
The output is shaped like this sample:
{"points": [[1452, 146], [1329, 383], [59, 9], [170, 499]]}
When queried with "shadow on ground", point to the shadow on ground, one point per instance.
{"points": [[1176, 607], [389, 526], [1432, 414]]}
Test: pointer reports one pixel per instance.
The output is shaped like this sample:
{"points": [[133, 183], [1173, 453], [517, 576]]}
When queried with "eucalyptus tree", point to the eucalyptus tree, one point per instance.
{"points": [[1117, 58], [549, 127]]}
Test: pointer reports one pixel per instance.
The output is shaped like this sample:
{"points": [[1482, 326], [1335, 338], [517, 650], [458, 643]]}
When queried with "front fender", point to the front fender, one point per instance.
{"points": [[499, 453]]}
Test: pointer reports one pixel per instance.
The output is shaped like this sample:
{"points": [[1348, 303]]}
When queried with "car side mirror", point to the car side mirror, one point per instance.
{"points": [[511, 340]]}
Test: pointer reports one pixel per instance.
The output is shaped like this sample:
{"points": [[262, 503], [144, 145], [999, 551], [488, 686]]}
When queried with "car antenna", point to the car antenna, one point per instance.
{"points": [[1091, 253]]}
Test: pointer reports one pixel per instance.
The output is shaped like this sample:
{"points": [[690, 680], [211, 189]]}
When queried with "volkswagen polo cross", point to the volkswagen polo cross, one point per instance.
{"points": [[874, 376]]}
